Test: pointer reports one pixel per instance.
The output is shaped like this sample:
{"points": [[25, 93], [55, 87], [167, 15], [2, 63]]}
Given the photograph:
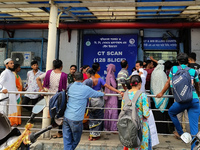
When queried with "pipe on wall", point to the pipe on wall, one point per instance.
{"points": [[102, 25]]}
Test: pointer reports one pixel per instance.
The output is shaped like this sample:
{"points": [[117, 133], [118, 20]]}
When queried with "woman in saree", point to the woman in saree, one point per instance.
{"points": [[96, 84], [111, 101], [15, 121]]}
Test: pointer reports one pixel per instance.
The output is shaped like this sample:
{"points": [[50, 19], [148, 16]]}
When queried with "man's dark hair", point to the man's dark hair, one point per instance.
{"points": [[182, 58], [34, 62], [168, 65], [78, 76], [193, 56], [84, 67], [148, 62], [124, 63], [73, 66], [15, 67], [95, 66], [57, 64], [140, 62]]}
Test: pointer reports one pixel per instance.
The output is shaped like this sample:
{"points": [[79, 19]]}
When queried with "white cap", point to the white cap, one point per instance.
{"points": [[7, 60]]}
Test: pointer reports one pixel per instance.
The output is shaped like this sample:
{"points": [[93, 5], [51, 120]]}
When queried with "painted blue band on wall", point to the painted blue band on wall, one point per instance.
{"points": [[110, 49]]}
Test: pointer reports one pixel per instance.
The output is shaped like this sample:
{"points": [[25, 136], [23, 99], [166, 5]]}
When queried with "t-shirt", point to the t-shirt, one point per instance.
{"points": [[192, 72], [121, 77], [148, 78], [70, 78], [196, 67]]}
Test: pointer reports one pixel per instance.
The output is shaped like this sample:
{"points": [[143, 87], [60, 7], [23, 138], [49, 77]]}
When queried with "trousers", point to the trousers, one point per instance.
{"points": [[193, 115], [72, 131]]}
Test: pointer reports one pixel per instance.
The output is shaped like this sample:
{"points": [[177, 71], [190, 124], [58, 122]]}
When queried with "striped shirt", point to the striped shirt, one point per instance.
{"points": [[121, 77]]}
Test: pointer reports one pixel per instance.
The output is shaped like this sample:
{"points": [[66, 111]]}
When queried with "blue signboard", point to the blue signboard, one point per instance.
{"points": [[109, 49], [154, 43]]}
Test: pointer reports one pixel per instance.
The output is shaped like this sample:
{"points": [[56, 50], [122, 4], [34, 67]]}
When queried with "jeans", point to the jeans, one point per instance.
{"points": [[193, 114], [72, 131]]}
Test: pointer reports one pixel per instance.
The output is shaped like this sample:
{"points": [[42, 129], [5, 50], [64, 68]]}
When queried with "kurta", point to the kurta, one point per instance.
{"points": [[142, 106], [7, 80], [111, 102]]}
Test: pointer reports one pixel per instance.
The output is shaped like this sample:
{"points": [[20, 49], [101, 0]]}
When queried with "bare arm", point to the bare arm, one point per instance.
{"points": [[167, 84], [125, 88], [197, 88], [113, 89], [39, 82], [151, 57]]}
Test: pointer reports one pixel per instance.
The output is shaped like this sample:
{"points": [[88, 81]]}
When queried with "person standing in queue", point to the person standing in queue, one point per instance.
{"points": [[74, 114]]}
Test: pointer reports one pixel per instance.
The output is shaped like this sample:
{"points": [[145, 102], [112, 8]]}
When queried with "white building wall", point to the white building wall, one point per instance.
{"points": [[68, 52], [195, 43]]}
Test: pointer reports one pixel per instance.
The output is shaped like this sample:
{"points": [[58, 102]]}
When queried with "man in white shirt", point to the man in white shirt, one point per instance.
{"points": [[32, 86], [141, 72], [7, 80]]}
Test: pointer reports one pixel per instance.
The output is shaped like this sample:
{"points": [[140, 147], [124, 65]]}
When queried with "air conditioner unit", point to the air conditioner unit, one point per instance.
{"points": [[2, 56], [22, 58]]}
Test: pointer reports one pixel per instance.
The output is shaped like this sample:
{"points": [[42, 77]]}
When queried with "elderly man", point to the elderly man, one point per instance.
{"points": [[7, 80]]}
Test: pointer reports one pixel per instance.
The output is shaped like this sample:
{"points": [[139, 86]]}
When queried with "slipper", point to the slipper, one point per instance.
{"points": [[57, 136], [90, 139], [176, 135], [95, 138]]}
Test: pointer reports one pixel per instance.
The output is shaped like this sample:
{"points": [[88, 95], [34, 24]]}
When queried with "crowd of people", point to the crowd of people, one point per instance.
{"points": [[87, 88]]}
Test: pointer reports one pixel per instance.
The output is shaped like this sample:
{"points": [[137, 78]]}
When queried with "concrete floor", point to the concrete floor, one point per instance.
{"points": [[108, 141]]}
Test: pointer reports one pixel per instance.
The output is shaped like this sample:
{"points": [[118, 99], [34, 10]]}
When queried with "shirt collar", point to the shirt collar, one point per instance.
{"points": [[78, 83], [36, 72]]}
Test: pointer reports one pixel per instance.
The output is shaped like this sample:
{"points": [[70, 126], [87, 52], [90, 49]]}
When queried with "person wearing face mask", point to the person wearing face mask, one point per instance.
{"points": [[7, 80]]}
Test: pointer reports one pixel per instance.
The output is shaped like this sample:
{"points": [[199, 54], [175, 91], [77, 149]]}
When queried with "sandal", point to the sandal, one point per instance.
{"points": [[57, 136], [96, 138], [90, 139], [176, 135]]}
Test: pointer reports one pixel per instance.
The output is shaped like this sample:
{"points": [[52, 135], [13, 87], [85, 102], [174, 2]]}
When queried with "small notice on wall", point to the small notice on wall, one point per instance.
{"points": [[153, 43]]}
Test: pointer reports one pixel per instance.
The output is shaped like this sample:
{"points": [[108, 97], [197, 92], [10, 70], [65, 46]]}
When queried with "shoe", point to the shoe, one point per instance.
{"points": [[58, 135], [176, 135]]}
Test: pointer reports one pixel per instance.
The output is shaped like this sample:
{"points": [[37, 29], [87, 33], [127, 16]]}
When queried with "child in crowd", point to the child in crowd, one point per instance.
{"points": [[70, 77], [142, 106], [32, 86]]}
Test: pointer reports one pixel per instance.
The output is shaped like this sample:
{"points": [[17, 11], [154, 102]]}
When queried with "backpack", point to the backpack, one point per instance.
{"points": [[182, 85], [57, 105], [129, 124]]}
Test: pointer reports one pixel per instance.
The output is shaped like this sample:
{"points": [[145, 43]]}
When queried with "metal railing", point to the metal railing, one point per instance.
{"points": [[53, 93]]}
